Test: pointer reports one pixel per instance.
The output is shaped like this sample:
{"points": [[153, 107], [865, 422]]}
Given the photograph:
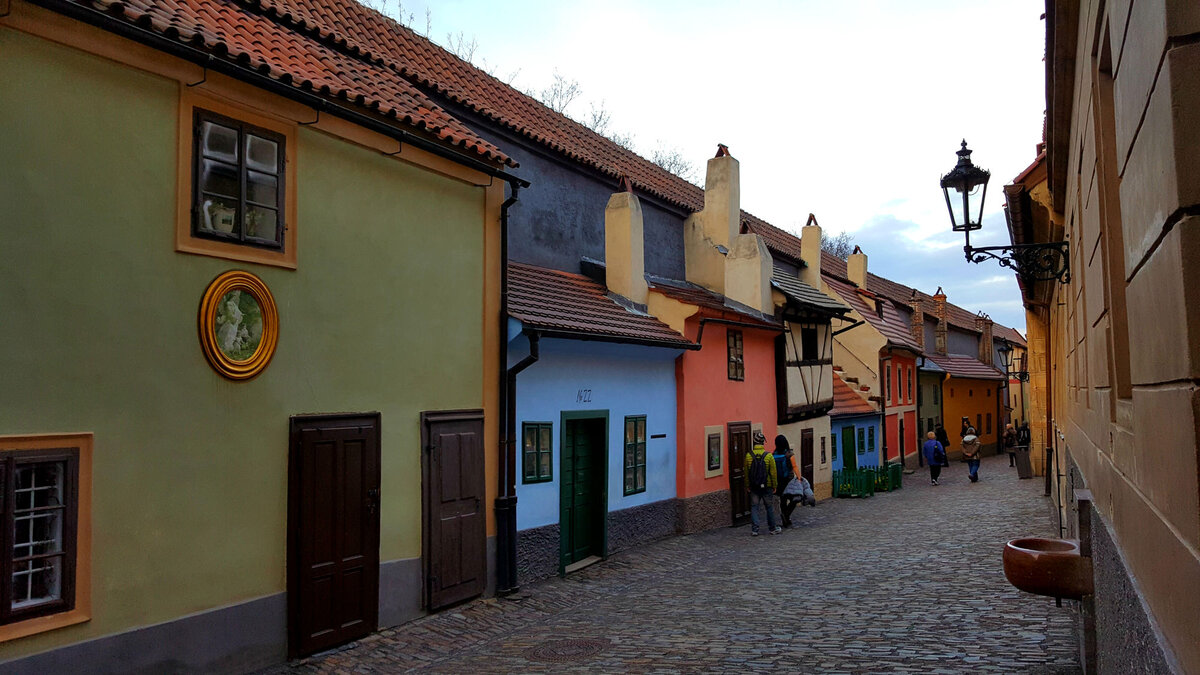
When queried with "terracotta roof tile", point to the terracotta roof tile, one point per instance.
{"points": [[572, 303], [965, 366], [892, 325], [846, 402], [282, 41], [702, 297]]}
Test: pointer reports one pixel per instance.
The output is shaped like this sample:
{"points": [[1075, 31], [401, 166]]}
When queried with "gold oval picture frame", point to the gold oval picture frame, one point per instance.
{"points": [[239, 325]]}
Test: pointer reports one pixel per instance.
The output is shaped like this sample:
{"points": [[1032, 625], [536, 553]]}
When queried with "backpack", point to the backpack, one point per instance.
{"points": [[939, 455], [783, 469], [757, 476]]}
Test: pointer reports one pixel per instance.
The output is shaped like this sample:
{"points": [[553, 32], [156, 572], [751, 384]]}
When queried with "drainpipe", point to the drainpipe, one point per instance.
{"points": [[506, 503], [885, 391], [920, 436]]}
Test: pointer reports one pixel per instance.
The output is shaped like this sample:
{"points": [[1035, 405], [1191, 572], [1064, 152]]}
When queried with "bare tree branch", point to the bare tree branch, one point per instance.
{"points": [[840, 244], [672, 159], [560, 93]]}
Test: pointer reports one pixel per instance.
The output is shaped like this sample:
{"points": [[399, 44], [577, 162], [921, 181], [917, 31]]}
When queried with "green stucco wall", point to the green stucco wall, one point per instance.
{"points": [[98, 333]]}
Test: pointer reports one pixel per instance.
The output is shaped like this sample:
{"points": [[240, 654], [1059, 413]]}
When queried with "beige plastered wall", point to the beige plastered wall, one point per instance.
{"points": [[1137, 449], [389, 309]]}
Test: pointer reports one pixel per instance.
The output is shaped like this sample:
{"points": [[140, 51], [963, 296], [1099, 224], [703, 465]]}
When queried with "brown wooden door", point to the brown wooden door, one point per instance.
{"points": [[806, 455], [739, 445], [333, 531], [455, 532]]}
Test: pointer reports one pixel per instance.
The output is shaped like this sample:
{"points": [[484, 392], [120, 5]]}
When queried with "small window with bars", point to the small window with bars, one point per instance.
{"points": [[538, 450], [833, 446], [737, 366], [239, 178], [635, 454], [38, 510], [871, 439]]}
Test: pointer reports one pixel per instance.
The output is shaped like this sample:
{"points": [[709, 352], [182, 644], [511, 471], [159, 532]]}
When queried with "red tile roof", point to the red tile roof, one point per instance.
{"points": [[892, 325], [846, 402], [574, 304], [956, 316], [1009, 334], [705, 299], [304, 50], [777, 240], [965, 366]]}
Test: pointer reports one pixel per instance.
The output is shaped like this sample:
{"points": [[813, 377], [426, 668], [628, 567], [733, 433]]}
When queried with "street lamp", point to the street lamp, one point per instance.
{"points": [[1013, 368], [965, 188]]}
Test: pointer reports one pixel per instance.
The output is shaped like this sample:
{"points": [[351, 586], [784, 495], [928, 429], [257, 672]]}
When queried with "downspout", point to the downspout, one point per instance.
{"points": [[920, 436], [883, 397], [506, 497]]}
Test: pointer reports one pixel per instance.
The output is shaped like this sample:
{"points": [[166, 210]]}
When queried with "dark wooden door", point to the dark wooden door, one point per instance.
{"points": [[900, 435], [849, 450], [739, 445], [806, 455], [583, 498], [455, 530], [333, 531]]}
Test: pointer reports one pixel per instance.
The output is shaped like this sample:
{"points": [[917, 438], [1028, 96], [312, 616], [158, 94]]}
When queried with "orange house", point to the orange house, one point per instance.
{"points": [[725, 392]]}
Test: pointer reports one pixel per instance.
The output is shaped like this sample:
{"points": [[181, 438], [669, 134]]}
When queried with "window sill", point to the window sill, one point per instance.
{"points": [[185, 243], [42, 624]]}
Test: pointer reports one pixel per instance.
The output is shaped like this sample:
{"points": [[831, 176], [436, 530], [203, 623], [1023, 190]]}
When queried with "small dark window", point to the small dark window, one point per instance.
{"points": [[970, 393], [808, 343], [871, 439], [937, 393], [888, 377], [910, 384], [978, 423], [635, 454], [823, 460], [714, 452], [39, 493], [989, 393], [538, 447], [989, 423], [833, 446], [238, 179], [862, 440], [737, 367]]}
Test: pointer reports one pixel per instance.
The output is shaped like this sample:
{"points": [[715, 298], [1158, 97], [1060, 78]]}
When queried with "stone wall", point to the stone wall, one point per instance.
{"points": [[705, 512], [641, 524], [537, 553]]}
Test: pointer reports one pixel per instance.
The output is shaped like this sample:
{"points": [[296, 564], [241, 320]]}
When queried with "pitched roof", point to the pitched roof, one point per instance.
{"points": [[576, 306], [302, 49], [803, 293], [965, 366], [846, 402], [699, 296], [893, 326], [777, 240], [1010, 334]]}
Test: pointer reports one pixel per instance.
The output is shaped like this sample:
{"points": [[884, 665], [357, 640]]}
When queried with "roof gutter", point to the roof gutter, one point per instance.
{"points": [[646, 342], [112, 24]]}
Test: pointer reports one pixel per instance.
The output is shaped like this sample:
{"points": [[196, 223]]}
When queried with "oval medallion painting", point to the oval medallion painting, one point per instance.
{"points": [[239, 325]]}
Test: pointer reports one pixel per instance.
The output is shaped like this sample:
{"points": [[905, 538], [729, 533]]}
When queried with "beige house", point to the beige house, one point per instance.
{"points": [[1114, 355]]}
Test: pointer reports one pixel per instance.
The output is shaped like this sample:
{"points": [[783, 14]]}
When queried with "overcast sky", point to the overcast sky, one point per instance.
{"points": [[849, 109]]}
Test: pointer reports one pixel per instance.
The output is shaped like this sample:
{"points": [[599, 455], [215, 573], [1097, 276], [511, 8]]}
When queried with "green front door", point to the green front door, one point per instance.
{"points": [[583, 498], [849, 449]]}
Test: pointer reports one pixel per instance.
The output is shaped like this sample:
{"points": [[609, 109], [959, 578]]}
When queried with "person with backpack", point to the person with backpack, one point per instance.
{"points": [[970, 450], [935, 454], [761, 480], [1010, 444], [786, 470]]}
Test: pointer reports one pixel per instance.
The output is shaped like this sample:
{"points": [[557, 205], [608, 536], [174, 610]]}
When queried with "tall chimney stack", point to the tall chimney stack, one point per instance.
{"points": [[917, 326], [709, 234], [939, 300], [984, 324], [810, 251], [624, 255], [856, 268]]}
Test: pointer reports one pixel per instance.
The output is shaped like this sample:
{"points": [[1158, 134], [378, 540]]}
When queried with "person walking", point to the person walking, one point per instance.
{"points": [[943, 438], [970, 450], [785, 471], [761, 480], [935, 454], [1010, 444]]}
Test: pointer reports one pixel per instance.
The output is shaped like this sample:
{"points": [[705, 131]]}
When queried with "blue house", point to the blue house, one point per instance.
{"points": [[855, 428]]}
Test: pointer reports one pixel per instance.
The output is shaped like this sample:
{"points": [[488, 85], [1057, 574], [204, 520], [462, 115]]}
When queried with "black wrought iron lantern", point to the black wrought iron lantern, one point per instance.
{"points": [[1006, 356], [965, 188]]}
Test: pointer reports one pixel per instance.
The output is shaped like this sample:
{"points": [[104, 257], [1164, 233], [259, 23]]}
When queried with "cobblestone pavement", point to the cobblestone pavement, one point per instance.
{"points": [[903, 582]]}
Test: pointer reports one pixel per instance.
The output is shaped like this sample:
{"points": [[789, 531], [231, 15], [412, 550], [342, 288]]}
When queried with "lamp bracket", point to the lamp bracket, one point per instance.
{"points": [[1036, 262]]}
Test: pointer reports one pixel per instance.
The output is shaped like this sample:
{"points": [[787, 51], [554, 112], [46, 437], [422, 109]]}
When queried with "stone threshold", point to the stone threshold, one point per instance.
{"points": [[586, 562]]}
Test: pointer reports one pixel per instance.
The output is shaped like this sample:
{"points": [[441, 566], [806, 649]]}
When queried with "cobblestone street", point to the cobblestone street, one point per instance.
{"points": [[904, 582]]}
